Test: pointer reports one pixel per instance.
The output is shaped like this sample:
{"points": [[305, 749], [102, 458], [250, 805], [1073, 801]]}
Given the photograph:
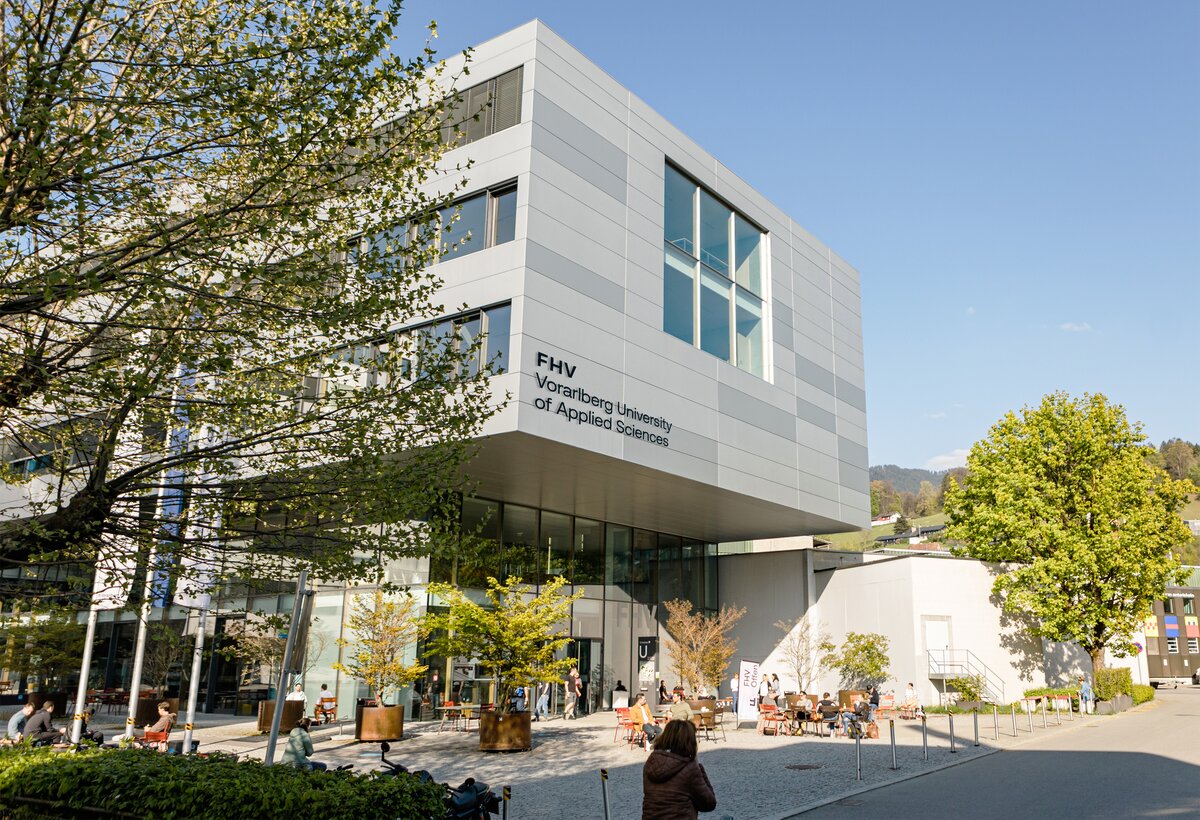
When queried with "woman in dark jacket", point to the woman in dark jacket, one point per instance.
{"points": [[674, 785]]}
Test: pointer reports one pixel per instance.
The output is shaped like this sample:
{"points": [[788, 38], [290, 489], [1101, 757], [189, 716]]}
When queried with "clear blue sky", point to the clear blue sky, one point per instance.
{"points": [[1017, 182]]}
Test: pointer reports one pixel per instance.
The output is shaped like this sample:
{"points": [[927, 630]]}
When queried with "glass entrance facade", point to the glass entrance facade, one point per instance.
{"points": [[625, 574]]}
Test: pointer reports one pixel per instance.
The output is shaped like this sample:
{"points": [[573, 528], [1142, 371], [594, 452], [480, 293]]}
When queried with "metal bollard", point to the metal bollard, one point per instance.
{"points": [[1029, 714], [924, 738], [995, 722], [507, 795], [858, 757], [975, 717], [1014, 717], [952, 749], [892, 730], [604, 787], [1044, 724]]}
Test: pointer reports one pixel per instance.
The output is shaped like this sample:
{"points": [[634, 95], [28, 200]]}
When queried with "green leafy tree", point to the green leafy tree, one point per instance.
{"points": [[862, 660], [43, 645], [927, 499], [703, 647], [217, 229], [516, 636], [1062, 495], [902, 525], [384, 630]]}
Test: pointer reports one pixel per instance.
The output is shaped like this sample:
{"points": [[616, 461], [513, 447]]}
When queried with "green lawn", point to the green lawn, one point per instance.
{"points": [[865, 539]]}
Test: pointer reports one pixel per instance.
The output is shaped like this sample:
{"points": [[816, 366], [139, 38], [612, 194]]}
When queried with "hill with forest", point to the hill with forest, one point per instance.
{"points": [[905, 479]]}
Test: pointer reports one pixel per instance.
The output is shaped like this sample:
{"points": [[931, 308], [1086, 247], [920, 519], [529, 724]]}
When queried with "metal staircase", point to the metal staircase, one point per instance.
{"points": [[945, 664]]}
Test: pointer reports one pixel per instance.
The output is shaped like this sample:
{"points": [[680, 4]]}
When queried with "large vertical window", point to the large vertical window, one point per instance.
{"points": [[713, 275]]}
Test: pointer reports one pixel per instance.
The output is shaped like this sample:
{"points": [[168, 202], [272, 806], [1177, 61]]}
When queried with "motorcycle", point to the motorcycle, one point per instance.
{"points": [[470, 801]]}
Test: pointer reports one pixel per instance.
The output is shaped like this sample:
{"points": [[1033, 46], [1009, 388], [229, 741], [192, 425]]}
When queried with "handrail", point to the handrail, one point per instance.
{"points": [[963, 662]]}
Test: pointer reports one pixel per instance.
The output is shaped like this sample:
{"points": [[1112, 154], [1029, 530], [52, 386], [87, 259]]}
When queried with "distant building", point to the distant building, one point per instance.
{"points": [[1172, 633], [916, 535], [884, 520]]}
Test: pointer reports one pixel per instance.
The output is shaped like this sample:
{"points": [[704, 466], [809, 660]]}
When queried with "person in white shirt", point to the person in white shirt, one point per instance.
{"points": [[298, 694]]}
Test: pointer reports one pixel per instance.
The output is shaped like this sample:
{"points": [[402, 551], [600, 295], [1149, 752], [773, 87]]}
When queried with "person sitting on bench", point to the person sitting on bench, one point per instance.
{"points": [[40, 729]]}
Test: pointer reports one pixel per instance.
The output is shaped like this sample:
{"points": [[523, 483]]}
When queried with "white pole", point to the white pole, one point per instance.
{"points": [[85, 667], [285, 675], [139, 646], [194, 681]]}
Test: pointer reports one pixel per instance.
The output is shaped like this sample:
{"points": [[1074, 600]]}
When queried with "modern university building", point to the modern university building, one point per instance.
{"points": [[685, 366]]}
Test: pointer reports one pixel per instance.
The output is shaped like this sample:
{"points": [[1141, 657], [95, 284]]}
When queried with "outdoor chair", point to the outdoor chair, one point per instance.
{"points": [[711, 723], [623, 723], [326, 711], [453, 716], [887, 707], [770, 718]]}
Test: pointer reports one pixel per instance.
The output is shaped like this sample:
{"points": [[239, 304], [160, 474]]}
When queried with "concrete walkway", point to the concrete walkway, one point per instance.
{"points": [[755, 776], [1145, 763]]}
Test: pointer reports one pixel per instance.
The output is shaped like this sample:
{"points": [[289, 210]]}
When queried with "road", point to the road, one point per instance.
{"points": [[1145, 763]]}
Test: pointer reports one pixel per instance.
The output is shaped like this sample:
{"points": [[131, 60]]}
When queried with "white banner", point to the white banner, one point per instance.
{"points": [[747, 694]]}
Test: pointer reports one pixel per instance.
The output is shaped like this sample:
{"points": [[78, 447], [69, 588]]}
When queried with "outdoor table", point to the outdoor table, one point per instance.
{"points": [[458, 707]]}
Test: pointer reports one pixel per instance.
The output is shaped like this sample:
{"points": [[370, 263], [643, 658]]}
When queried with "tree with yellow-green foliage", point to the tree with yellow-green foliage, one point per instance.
{"points": [[1085, 528]]}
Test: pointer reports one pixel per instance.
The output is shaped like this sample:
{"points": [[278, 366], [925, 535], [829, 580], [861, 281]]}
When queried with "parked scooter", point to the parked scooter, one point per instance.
{"points": [[470, 801]]}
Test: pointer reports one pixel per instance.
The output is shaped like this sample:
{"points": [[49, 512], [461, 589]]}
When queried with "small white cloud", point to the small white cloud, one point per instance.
{"points": [[970, 311], [1075, 327], [954, 458], [940, 414]]}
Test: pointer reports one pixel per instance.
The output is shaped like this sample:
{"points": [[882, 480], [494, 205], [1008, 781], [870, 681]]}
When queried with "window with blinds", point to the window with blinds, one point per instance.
{"points": [[483, 109]]}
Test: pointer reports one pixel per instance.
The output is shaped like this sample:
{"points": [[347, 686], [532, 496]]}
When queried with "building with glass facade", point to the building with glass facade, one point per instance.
{"points": [[684, 366]]}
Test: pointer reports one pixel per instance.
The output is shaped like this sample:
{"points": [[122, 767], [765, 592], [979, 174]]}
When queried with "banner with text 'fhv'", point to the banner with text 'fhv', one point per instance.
{"points": [[747, 694]]}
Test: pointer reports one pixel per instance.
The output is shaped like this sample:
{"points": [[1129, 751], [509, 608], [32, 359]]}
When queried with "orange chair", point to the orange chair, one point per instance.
{"points": [[623, 723], [326, 710], [770, 718]]}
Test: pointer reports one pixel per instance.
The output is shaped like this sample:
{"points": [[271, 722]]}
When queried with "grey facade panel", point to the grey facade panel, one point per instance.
{"points": [[815, 415], [851, 394], [568, 272], [850, 452], [735, 403], [607, 178], [815, 375]]}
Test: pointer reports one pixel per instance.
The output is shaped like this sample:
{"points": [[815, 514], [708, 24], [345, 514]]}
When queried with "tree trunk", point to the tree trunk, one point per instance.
{"points": [[1097, 654]]}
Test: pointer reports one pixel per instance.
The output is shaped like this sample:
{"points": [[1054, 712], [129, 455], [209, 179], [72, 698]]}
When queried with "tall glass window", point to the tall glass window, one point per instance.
{"points": [[498, 329], [556, 546], [618, 546], [749, 333], [714, 315], [589, 556], [479, 547], [504, 227], [679, 295], [714, 275], [680, 217], [519, 557]]}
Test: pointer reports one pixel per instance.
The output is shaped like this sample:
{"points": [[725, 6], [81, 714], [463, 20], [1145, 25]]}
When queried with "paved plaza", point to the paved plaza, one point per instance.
{"points": [[754, 776]]}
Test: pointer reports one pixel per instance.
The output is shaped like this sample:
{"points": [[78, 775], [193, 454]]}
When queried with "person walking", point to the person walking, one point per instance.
{"points": [[1087, 697], [874, 701], [542, 710], [572, 694], [674, 784]]}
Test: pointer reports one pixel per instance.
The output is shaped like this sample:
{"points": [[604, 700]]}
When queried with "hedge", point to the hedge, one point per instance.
{"points": [[1142, 693], [155, 785], [1113, 682]]}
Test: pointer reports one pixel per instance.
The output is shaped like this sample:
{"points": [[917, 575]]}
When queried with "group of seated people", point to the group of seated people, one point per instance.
{"points": [[37, 727], [826, 711], [644, 724]]}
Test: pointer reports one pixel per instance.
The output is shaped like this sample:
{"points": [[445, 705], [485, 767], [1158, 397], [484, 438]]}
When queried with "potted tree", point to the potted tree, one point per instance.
{"points": [[383, 630], [516, 637]]}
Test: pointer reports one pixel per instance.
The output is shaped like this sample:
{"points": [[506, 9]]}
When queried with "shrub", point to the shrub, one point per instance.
{"points": [[1142, 694], [969, 687], [218, 787], [1113, 682]]}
